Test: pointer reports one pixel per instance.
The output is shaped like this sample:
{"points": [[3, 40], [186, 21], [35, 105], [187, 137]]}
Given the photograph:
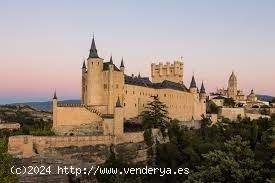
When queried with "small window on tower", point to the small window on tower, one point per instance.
{"points": [[117, 86], [105, 86]]}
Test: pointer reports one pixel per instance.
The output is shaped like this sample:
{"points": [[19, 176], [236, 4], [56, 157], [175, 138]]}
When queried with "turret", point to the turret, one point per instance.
{"points": [[118, 118], [94, 93], [111, 64], [193, 86], [84, 83], [202, 92], [84, 68], [54, 110], [122, 68]]}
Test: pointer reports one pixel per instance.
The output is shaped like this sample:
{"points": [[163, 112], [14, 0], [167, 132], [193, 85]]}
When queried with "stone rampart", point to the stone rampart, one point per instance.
{"points": [[232, 113], [28, 145]]}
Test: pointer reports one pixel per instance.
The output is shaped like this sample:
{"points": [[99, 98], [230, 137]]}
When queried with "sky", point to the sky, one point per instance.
{"points": [[43, 43]]}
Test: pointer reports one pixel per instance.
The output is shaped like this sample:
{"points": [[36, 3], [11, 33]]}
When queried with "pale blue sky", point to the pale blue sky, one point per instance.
{"points": [[42, 43]]}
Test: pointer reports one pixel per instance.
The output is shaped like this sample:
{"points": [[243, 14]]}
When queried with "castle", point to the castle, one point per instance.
{"points": [[109, 97]]}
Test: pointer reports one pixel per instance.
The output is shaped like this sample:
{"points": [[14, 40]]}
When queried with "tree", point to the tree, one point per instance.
{"points": [[211, 107], [235, 163], [5, 164], [229, 102], [155, 115]]}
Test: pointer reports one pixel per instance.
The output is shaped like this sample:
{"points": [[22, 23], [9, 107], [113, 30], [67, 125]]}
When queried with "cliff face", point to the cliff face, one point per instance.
{"points": [[78, 157]]}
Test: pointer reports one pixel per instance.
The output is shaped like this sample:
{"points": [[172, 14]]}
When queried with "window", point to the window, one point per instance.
{"points": [[164, 95], [117, 86], [135, 105], [105, 86]]}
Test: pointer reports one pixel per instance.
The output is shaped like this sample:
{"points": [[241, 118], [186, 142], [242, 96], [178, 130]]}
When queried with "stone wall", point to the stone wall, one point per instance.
{"points": [[232, 113], [256, 116], [272, 110], [28, 145], [10, 126], [181, 105]]}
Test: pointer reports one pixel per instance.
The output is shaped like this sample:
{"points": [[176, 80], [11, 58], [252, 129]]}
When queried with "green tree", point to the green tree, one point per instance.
{"points": [[5, 164], [229, 102], [211, 107], [155, 115], [235, 163]]}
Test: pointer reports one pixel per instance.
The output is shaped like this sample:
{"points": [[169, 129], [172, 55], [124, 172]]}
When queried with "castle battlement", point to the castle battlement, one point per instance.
{"points": [[170, 72]]}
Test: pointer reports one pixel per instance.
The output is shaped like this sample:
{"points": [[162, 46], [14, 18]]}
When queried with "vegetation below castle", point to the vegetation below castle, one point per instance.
{"points": [[224, 152], [228, 151]]}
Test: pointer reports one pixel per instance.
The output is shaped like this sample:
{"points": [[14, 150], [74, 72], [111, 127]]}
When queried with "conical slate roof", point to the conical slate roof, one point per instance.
{"points": [[122, 63], [84, 65], [193, 83], [202, 88], [93, 50], [54, 95], [111, 60], [118, 104]]}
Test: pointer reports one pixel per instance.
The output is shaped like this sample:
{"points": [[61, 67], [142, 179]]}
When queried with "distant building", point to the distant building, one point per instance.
{"points": [[232, 89]]}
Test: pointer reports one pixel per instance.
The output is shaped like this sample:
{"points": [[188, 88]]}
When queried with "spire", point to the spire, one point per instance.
{"points": [[139, 75], [193, 83], [118, 104], [93, 50], [233, 76], [54, 96], [122, 63], [111, 60], [84, 65], [202, 88]]}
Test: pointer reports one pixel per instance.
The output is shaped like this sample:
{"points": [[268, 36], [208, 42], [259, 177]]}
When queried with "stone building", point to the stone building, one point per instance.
{"points": [[109, 97], [232, 89]]}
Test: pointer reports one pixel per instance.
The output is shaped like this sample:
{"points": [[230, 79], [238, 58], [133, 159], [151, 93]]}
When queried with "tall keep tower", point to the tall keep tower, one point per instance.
{"points": [[94, 92], [232, 86], [170, 72]]}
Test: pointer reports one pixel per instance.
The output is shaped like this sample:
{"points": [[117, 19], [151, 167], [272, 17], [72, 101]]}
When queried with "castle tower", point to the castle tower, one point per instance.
{"points": [[94, 77], [171, 72], [232, 86], [193, 86], [54, 110], [84, 83]]}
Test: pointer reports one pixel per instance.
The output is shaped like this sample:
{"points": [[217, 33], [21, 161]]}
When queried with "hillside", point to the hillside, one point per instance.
{"points": [[266, 98], [46, 106]]}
